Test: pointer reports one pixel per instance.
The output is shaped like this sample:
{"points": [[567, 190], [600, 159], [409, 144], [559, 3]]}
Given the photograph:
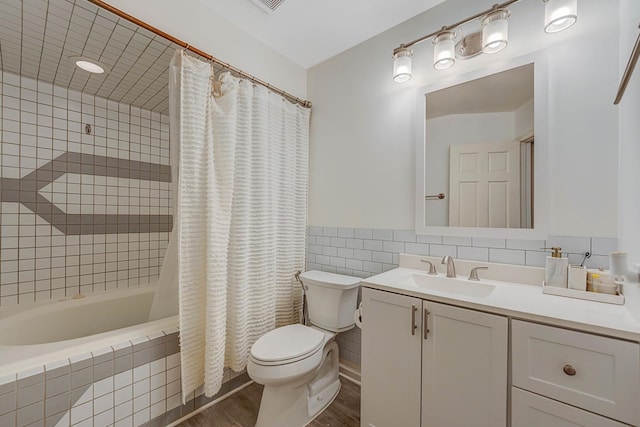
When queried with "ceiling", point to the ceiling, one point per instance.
{"points": [[37, 38], [309, 32], [497, 93]]}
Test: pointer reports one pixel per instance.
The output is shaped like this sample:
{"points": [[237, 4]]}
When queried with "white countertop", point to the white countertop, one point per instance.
{"points": [[523, 301]]}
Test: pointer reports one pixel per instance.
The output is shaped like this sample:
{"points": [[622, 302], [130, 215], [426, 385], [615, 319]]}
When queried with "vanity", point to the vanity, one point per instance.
{"points": [[439, 351], [443, 351]]}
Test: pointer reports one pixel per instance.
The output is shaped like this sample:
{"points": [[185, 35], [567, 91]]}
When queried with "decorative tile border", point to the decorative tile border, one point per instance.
{"points": [[79, 212], [26, 190], [363, 252]]}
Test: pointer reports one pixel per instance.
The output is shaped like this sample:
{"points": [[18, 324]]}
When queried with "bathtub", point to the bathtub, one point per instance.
{"points": [[42, 333], [91, 361]]}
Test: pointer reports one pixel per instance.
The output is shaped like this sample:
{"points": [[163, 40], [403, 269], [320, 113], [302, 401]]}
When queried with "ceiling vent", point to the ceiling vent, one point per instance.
{"points": [[268, 5]]}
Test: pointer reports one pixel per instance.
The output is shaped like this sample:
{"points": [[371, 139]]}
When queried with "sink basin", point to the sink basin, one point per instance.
{"points": [[450, 285]]}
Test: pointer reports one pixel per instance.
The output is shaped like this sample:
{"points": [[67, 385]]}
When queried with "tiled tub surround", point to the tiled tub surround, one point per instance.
{"points": [[364, 252], [131, 383], [124, 377], [79, 213]]}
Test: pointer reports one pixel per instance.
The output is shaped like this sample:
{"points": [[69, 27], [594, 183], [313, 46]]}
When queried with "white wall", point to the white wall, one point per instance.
{"points": [[524, 117], [362, 162], [197, 24], [629, 167]]}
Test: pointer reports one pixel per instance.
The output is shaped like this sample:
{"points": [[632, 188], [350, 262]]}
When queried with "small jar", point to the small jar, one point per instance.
{"points": [[595, 282]]}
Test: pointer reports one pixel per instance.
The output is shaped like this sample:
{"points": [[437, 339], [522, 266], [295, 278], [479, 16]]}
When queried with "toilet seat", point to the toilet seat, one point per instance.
{"points": [[287, 344]]}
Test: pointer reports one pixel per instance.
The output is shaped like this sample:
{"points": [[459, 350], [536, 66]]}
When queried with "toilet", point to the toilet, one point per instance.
{"points": [[298, 364]]}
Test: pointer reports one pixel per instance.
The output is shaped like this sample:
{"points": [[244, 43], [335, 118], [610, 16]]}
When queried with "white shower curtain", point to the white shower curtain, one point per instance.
{"points": [[243, 159], [165, 299]]}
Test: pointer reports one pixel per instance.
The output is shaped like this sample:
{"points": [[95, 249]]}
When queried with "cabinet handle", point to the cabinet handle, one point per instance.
{"points": [[569, 370], [426, 323], [413, 320]]}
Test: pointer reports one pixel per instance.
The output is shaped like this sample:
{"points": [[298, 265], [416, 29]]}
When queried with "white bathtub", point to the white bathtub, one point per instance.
{"points": [[49, 332]]}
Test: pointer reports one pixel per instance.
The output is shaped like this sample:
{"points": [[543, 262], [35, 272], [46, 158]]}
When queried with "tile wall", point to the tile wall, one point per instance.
{"points": [[133, 383], [363, 252], [81, 209]]}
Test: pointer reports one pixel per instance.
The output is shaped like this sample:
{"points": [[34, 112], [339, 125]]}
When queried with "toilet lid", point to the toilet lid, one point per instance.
{"points": [[286, 343]]}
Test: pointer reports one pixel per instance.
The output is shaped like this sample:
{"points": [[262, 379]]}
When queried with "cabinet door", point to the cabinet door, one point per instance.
{"points": [[532, 410], [390, 366], [464, 363]]}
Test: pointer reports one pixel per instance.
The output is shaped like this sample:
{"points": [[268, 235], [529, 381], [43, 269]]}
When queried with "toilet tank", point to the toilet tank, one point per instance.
{"points": [[331, 299]]}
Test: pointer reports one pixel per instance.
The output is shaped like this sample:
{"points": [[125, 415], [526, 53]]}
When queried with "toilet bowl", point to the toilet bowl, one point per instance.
{"points": [[297, 364]]}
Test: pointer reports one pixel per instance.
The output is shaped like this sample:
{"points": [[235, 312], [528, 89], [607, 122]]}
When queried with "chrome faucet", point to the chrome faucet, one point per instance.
{"points": [[474, 273], [432, 268], [451, 269]]}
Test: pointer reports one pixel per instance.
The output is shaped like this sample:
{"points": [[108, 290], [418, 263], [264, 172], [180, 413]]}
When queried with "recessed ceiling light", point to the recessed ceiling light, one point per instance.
{"points": [[87, 64]]}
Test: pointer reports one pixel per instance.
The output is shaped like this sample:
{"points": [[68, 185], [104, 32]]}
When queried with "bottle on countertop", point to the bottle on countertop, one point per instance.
{"points": [[556, 269]]}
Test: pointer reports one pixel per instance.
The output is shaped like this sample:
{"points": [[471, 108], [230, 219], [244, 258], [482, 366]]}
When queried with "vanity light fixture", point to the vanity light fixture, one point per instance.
{"points": [[559, 15], [495, 30], [444, 50], [402, 65]]}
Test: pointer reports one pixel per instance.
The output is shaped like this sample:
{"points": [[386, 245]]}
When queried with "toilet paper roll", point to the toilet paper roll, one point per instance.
{"points": [[357, 316]]}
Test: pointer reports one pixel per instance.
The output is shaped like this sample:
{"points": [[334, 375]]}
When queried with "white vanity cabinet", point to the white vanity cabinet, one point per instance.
{"points": [[464, 367], [431, 365], [598, 374], [391, 359]]}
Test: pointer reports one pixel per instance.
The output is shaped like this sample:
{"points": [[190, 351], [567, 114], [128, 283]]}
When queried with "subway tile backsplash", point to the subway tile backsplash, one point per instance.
{"points": [[372, 251], [85, 192]]}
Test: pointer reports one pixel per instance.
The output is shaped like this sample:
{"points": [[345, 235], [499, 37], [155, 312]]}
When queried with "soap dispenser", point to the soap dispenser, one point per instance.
{"points": [[556, 269]]}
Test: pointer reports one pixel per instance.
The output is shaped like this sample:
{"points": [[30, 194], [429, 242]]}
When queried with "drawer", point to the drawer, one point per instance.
{"points": [[599, 374], [531, 410]]}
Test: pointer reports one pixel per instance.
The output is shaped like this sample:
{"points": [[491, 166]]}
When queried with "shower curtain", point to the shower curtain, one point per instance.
{"points": [[165, 299], [241, 223]]}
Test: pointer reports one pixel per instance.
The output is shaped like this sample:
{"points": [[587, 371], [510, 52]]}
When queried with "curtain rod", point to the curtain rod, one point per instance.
{"points": [[136, 21], [631, 65]]}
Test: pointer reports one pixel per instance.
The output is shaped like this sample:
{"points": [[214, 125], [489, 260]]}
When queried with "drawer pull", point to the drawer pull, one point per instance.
{"points": [[569, 370]]}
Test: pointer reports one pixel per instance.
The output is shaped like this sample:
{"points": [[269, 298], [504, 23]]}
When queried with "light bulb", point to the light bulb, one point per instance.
{"points": [[495, 31], [559, 15], [444, 50], [402, 65]]}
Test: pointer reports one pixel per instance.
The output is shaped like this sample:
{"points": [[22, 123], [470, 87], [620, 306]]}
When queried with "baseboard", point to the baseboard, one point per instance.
{"points": [[210, 404], [350, 371]]}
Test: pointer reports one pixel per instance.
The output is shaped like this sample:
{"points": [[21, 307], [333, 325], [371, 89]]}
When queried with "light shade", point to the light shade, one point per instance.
{"points": [[559, 14], [88, 64], [444, 55], [402, 65], [495, 31]]}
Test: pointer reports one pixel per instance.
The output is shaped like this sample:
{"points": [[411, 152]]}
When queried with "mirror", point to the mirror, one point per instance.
{"points": [[479, 152], [477, 157]]}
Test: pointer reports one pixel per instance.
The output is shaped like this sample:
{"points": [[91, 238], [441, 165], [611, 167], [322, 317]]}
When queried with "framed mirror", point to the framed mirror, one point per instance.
{"points": [[481, 153]]}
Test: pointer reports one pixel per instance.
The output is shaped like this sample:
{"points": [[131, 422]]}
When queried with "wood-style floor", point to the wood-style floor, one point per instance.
{"points": [[241, 410]]}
